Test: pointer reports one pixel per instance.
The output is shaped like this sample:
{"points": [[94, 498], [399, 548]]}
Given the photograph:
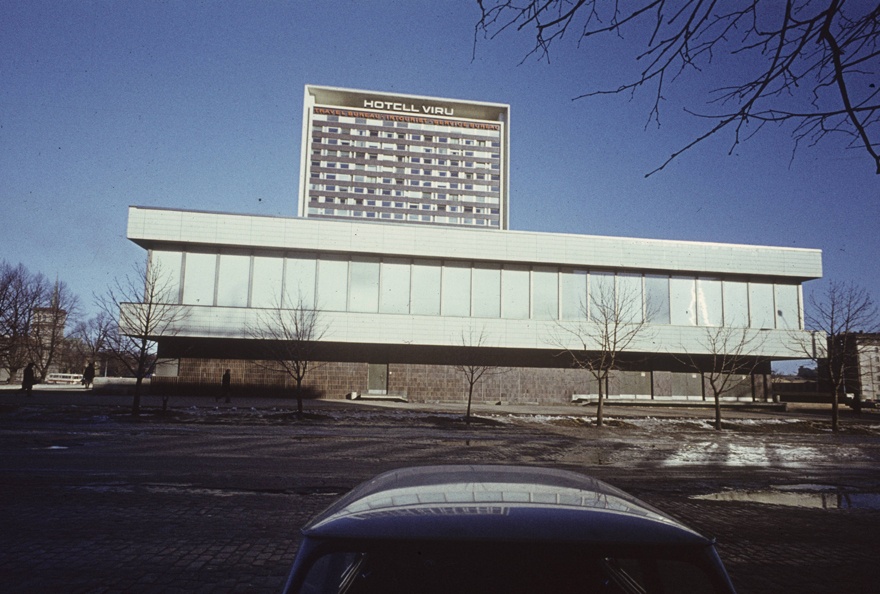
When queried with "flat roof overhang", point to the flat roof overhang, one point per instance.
{"points": [[159, 228]]}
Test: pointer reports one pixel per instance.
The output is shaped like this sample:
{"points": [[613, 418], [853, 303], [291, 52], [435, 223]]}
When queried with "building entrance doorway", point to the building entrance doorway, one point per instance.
{"points": [[377, 378]]}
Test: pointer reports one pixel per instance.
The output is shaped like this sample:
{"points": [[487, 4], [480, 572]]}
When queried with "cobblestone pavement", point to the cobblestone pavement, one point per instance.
{"points": [[210, 500]]}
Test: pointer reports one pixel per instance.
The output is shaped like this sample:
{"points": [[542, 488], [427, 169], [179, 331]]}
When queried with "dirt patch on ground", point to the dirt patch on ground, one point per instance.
{"points": [[582, 425]]}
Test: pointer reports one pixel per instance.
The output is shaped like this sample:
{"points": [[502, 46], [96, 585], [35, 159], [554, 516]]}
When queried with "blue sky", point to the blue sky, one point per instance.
{"points": [[198, 105]]}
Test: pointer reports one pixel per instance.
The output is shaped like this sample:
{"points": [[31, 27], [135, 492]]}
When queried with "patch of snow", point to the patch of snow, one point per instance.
{"points": [[762, 455]]}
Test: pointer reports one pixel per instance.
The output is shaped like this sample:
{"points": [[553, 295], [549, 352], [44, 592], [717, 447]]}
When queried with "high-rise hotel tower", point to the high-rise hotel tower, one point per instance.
{"points": [[370, 156]]}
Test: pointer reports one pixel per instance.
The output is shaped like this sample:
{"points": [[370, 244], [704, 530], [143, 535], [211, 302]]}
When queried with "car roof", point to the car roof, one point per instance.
{"points": [[496, 503]]}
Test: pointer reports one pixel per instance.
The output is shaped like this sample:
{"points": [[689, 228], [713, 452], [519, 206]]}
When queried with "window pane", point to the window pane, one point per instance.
{"points": [[657, 299], [268, 273], [487, 292], [233, 280], [736, 304], [515, 292], [629, 297], [710, 310], [364, 289], [574, 295], [601, 296], [787, 310], [682, 301], [394, 276], [456, 291], [545, 294], [426, 288], [332, 283], [761, 311], [167, 267], [198, 280], [300, 280], [687, 384]]}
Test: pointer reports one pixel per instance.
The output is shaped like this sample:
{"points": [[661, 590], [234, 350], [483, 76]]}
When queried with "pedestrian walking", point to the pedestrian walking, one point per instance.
{"points": [[225, 386], [28, 379], [89, 375]]}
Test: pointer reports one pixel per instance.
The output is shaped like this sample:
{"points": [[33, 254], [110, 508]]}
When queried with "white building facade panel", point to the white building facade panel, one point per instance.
{"points": [[148, 226], [437, 331], [396, 285]]}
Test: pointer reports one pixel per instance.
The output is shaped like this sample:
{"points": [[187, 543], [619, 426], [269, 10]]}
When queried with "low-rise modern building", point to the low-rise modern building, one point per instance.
{"points": [[402, 255], [402, 305]]}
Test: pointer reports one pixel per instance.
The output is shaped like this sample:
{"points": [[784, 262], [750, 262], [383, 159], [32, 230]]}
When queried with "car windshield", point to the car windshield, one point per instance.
{"points": [[490, 567]]}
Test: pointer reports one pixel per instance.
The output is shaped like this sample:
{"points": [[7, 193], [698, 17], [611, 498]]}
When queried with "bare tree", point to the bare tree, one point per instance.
{"points": [[834, 316], [21, 293], [93, 336], [146, 303], [48, 325], [289, 339], [473, 372], [612, 318], [812, 63], [729, 352], [70, 358]]}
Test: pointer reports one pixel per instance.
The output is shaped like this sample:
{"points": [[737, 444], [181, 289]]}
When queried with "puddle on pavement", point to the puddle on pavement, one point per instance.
{"points": [[809, 496]]}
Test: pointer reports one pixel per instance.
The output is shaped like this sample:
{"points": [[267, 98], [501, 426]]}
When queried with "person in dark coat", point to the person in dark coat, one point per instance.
{"points": [[89, 375], [225, 386], [28, 379]]}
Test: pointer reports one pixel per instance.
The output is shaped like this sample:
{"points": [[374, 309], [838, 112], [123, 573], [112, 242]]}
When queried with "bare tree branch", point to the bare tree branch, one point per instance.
{"points": [[21, 293], [834, 316], [473, 372], [729, 352], [146, 303], [613, 316], [93, 336], [289, 337], [51, 316], [824, 54]]}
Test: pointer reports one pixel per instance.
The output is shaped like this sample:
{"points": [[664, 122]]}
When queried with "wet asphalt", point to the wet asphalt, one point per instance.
{"points": [[208, 497]]}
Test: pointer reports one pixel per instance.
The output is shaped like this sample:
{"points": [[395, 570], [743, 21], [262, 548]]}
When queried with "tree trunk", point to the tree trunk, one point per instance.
{"points": [[299, 399], [599, 419], [136, 404], [716, 393], [835, 409], [467, 417]]}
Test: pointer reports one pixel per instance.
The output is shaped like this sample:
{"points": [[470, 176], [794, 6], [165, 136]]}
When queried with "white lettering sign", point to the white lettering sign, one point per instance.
{"points": [[408, 107]]}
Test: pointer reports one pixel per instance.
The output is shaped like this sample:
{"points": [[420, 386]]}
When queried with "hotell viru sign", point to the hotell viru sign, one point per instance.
{"points": [[408, 107], [409, 112]]}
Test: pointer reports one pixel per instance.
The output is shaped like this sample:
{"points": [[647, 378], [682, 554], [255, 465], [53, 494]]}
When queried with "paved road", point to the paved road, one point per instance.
{"points": [[209, 499]]}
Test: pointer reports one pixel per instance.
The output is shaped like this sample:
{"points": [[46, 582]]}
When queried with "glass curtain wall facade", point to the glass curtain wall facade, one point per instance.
{"points": [[401, 297], [412, 286]]}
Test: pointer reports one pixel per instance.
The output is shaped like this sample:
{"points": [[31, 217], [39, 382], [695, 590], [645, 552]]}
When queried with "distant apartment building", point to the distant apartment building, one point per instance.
{"points": [[861, 353], [403, 158]]}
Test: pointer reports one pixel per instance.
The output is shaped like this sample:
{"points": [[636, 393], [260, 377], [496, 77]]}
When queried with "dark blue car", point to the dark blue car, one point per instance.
{"points": [[458, 529]]}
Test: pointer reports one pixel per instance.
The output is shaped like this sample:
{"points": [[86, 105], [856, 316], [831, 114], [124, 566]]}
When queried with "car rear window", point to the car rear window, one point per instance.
{"points": [[505, 568]]}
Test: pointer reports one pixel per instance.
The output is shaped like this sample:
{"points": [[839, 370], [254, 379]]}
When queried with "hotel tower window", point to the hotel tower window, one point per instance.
{"points": [[478, 125]]}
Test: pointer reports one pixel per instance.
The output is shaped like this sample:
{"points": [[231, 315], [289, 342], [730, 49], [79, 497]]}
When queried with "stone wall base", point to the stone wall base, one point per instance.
{"points": [[444, 383]]}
